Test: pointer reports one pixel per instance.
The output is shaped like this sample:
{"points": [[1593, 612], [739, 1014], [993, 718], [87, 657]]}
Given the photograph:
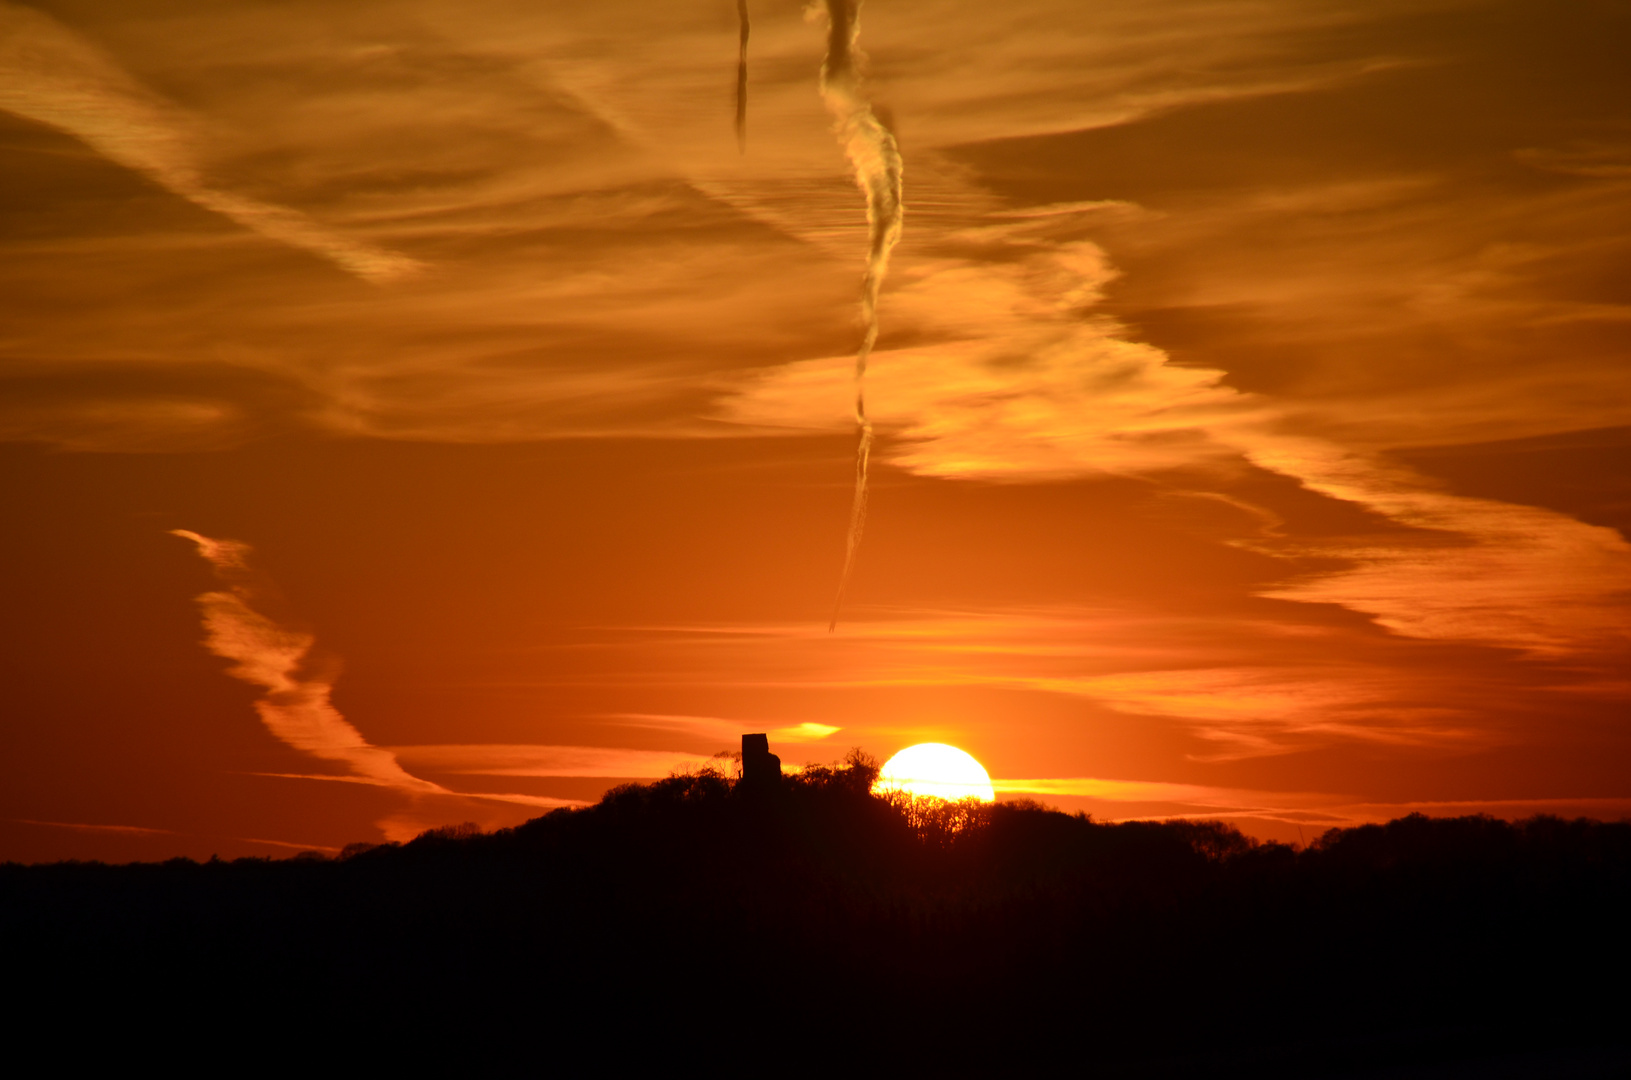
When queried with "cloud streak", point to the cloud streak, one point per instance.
{"points": [[1517, 576], [498, 759], [294, 704], [130, 830], [137, 831], [1272, 680], [1017, 380], [728, 730], [1022, 382], [50, 75]]}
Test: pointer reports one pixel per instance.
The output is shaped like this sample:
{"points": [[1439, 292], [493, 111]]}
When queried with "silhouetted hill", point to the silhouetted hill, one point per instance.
{"points": [[814, 922]]}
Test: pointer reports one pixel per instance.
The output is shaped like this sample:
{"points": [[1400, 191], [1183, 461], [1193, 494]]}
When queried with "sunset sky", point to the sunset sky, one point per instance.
{"points": [[423, 411]]}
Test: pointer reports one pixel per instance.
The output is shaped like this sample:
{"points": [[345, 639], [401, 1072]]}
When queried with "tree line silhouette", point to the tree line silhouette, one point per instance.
{"points": [[810, 916]]}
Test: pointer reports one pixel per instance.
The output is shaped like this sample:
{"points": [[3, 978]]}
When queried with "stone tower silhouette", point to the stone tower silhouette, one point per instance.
{"points": [[760, 768]]}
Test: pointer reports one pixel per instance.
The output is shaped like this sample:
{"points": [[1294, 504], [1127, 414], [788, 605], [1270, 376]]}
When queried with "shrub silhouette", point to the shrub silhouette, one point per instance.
{"points": [[691, 906]]}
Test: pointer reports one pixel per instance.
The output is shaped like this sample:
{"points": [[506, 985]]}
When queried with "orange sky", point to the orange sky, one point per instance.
{"points": [[1252, 406]]}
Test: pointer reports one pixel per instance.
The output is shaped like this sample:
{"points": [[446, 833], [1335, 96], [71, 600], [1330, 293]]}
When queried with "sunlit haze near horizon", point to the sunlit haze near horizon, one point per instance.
{"points": [[417, 412]]}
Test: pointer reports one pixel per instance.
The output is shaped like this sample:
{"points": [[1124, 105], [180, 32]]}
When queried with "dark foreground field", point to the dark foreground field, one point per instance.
{"points": [[815, 927]]}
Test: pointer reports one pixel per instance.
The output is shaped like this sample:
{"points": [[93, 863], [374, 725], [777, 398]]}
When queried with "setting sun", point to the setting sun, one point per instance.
{"points": [[936, 769]]}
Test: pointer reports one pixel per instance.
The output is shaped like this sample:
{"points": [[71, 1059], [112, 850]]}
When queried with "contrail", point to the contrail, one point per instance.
{"points": [[742, 80], [875, 157], [294, 707]]}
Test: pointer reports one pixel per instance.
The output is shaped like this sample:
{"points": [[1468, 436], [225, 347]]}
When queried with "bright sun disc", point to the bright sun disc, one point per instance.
{"points": [[936, 769]]}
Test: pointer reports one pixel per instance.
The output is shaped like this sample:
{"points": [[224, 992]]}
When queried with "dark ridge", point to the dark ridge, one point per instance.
{"points": [[809, 924]]}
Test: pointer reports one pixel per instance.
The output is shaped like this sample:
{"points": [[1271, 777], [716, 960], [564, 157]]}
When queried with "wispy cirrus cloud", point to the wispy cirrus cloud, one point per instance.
{"points": [[294, 704], [130, 830], [1032, 393], [51, 75], [729, 731], [1482, 570], [531, 759], [497, 759], [599, 761], [138, 831], [1023, 382], [1240, 688]]}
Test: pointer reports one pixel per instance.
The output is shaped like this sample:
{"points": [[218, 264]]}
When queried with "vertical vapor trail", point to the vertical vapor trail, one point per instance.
{"points": [[875, 157], [295, 707], [742, 80]]}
